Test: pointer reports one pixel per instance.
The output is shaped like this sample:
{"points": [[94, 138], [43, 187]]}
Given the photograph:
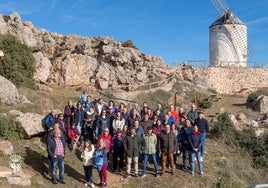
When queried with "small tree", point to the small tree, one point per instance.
{"points": [[129, 44], [18, 63]]}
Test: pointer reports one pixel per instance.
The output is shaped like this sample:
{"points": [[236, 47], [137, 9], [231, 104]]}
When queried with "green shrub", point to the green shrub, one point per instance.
{"points": [[18, 63], [9, 128], [247, 139], [129, 44], [252, 96], [205, 103]]}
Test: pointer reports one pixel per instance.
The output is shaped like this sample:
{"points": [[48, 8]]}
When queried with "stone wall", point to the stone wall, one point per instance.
{"points": [[232, 80]]}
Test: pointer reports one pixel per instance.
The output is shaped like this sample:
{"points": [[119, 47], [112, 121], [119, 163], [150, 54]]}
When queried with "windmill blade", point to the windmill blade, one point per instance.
{"points": [[220, 5]]}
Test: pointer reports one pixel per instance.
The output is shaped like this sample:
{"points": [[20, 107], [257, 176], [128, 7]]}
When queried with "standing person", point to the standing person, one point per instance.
{"points": [[157, 129], [78, 116], [149, 143], [68, 113], [99, 106], [192, 114], [102, 123], [50, 119], [101, 151], [174, 114], [173, 128], [202, 124], [195, 145], [83, 98], [146, 122], [168, 145], [118, 122], [56, 151], [118, 150], [87, 157], [182, 137], [89, 103], [132, 146], [89, 124], [108, 141]]}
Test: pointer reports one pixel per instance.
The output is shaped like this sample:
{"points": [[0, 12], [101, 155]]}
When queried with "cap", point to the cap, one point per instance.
{"points": [[106, 129], [149, 128]]}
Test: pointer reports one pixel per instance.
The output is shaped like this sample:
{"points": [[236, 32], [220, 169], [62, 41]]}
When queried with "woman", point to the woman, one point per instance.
{"points": [[118, 122], [101, 151], [87, 157]]}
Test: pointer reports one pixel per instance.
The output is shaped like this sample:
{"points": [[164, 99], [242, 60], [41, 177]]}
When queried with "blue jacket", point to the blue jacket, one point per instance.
{"points": [[118, 144], [51, 145], [49, 121]]}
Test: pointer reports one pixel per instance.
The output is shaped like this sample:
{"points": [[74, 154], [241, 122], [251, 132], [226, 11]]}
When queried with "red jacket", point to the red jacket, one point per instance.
{"points": [[72, 133], [108, 141]]}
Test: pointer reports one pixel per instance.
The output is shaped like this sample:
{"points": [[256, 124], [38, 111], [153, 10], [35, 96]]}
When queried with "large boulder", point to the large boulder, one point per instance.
{"points": [[32, 123], [9, 94], [261, 104]]}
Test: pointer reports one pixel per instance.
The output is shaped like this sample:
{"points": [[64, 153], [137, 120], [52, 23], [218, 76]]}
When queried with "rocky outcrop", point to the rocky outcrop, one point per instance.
{"points": [[31, 123], [70, 60], [8, 92]]}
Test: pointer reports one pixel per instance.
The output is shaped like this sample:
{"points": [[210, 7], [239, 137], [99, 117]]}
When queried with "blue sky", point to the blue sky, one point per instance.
{"points": [[176, 30]]}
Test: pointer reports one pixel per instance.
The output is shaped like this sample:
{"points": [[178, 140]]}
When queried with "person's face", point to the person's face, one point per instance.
{"points": [[168, 128], [188, 123], [103, 112], [150, 131], [101, 143], [132, 131], [136, 123], [106, 132], [195, 128], [86, 144]]}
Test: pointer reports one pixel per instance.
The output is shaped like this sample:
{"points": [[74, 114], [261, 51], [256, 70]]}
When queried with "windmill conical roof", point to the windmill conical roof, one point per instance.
{"points": [[227, 17]]}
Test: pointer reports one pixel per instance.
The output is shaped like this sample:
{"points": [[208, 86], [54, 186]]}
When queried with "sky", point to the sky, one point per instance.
{"points": [[176, 30]]}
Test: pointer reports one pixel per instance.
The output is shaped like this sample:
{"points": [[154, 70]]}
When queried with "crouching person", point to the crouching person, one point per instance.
{"points": [[56, 151]]}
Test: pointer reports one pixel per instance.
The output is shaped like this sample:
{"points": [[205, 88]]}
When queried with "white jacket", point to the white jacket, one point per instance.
{"points": [[87, 156]]}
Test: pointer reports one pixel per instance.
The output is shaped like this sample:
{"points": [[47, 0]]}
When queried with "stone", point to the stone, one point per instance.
{"points": [[9, 94], [5, 171], [6, 147]]}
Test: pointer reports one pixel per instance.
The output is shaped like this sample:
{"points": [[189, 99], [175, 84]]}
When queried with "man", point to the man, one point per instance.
{"points": [[149, 143], [50, 119], [202, 124], [56, 151], [146, 122], [192, 114], [168, 145], [132, 146]]}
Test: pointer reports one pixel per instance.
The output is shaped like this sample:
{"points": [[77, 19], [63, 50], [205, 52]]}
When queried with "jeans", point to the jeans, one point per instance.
{"points": [[196, 155], [146, 157], [58, 162], [119, 154], [88, 173], [203, 139]]}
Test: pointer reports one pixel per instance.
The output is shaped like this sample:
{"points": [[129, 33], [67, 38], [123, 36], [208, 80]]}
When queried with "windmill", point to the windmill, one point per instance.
{"points": [[228, 43]]}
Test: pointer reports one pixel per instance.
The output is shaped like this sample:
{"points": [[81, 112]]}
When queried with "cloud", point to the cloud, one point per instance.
{"points": [[259, 20]]}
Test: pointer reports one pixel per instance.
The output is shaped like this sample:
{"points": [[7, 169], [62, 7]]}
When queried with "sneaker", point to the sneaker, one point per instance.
{"points": [[62, 182], [127, 175], [192, 173], [195, 159], [157, 175], [201, 159], [54, 181], [136, 175], [92, 185], [201, 173], [104, 185], [143, 175], [86, 184]]}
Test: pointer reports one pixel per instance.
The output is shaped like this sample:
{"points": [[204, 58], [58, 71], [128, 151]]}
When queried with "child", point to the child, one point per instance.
{"points": [[87, 157], [72, 136], [102, 170]]}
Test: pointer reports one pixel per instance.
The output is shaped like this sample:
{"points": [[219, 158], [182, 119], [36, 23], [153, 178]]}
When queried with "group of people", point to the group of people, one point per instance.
{"points": [[116, 137]]}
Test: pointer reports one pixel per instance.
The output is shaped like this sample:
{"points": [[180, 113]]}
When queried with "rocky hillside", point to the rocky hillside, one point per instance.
{"points": [[70, 60]]}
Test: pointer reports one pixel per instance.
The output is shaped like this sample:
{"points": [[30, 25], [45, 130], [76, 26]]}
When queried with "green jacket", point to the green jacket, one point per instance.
{"points": [[132, 145], [149, 143]]}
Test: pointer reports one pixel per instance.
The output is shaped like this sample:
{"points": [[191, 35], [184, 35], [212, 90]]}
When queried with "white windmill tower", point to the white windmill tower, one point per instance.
{"points": [[228, 43]]}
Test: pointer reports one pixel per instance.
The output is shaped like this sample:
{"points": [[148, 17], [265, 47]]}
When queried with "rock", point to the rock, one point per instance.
{"points": [[6, 147], [5, 171], [20, 181], [31, 123], [233, 119], [241, 117], [251, 123], [261, 104], [9, 94], [42, 67]]}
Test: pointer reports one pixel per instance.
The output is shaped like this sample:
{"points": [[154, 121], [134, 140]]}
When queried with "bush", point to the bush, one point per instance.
{"points": [[205, 103], [129, 44], [252, 96], [18, 63], [9, 128], [247, 139]]}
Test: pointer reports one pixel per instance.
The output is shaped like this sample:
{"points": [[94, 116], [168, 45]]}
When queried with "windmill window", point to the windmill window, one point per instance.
{"points": [[220, 27]]}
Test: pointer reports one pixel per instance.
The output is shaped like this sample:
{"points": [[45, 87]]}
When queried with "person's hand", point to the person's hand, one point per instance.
{"points": [[195, 149], [54, 156]]}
